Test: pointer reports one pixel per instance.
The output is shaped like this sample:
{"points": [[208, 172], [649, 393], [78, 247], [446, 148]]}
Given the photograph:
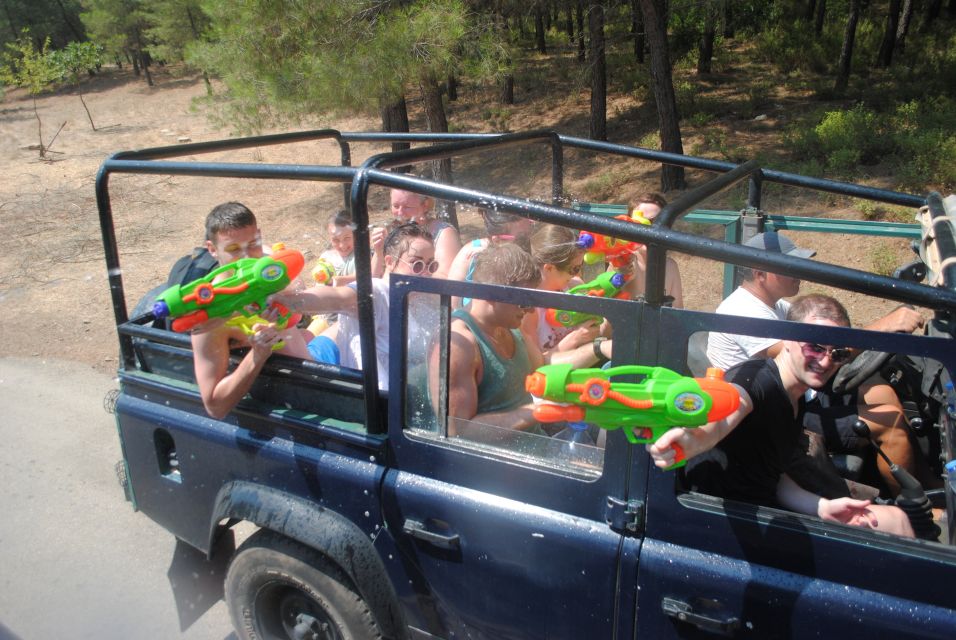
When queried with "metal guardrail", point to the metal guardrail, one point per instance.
{"points": [[732, 222]]}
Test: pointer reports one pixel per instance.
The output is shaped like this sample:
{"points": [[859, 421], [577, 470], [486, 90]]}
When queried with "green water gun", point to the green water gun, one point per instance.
{"points": [[241, 286], [662, 400], [607, 285]]}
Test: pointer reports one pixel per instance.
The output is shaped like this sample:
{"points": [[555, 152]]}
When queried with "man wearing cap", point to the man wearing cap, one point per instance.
{"points": [[760, 295]]}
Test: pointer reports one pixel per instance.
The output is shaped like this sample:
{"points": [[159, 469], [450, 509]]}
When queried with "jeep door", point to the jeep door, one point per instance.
{"points": [[502, 533]]}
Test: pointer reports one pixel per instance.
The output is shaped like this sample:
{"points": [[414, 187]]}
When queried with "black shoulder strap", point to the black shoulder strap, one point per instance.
{"points": [[191, 267]]}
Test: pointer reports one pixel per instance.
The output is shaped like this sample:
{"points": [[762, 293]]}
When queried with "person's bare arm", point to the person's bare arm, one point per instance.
{"points": [[672, 283], [221, 391], [769, 352], [377, 241], [584, 356], [900, 320], [695, 440], [463, 364], [319, 299], [464, 374]]}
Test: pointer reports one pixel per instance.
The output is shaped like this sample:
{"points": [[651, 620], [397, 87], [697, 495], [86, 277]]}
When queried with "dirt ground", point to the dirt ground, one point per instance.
{"points": [[54, 294]]}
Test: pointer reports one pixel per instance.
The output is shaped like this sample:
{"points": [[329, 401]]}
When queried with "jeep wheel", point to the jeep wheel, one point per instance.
{"points": [[277, 588]]}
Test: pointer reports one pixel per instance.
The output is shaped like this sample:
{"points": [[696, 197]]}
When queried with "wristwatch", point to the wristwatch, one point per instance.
{"points": [[596, 346]]}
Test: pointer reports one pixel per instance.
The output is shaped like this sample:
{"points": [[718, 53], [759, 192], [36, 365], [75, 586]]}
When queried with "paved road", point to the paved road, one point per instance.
{"points": [[75, 560]]}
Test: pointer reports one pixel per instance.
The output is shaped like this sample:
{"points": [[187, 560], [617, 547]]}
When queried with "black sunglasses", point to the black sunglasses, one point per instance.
{"points": [[838, 355]]}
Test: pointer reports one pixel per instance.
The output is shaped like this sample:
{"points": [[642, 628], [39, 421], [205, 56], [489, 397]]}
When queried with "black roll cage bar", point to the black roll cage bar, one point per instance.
{"points": [[659, 237]]}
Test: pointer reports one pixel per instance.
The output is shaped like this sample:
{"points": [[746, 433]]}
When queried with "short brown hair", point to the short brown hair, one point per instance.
{"points": [[506, 264], [226, 216], [341, 218], [820, 306], [400, 238], [651, 196]]}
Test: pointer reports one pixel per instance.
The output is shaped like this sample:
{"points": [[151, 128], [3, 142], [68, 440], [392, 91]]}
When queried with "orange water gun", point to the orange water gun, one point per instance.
{"points": [[617, 253]]}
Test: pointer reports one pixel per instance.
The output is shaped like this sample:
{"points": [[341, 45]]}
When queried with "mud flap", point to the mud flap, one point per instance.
{"points": [[197, 582]]}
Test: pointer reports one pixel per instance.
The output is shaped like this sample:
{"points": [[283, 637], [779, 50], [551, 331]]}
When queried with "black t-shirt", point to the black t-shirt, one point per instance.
{"points": [[747, 464]]}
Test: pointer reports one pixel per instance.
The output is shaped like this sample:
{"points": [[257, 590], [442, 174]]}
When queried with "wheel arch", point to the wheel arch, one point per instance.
{"points": [[319, 528]]}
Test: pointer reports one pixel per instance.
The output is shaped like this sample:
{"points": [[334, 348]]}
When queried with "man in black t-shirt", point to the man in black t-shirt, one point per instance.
{"points": [[751, 454]]}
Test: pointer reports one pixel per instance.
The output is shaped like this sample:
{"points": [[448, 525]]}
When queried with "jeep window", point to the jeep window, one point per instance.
{"points": [[558, 448]]}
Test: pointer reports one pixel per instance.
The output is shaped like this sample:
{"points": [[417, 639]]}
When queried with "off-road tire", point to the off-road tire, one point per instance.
{"points": [[272, 577]]}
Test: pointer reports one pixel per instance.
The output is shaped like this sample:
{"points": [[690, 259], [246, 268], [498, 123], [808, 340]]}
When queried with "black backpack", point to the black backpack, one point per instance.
{"points": [[191, 267]]}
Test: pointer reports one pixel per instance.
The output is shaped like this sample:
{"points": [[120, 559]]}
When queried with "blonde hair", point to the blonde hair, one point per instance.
{"points": [[553, 244]]}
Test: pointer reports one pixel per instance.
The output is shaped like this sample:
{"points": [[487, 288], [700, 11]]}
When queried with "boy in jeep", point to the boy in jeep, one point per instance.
{"points": [[233, 233]]}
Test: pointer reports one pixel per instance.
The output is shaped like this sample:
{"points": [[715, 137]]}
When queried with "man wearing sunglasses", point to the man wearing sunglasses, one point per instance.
{"points": [[408, 249], [752, 454], [761, 295]]}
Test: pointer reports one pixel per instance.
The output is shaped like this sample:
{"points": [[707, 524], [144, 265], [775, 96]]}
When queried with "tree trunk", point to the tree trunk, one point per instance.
{"points": [[707, 37], [452, 85], [821, 16], [539, 30], [437, 123], [729, 26], [569, 25], [811, 10], [846, 53], [507, 95], [579, 14], [14, 30], [395, 120], [655, 25], [885, 56], [135, 60], [637, 31], [905, 18], [39, 127], [933, 9], [145, 64], [597, 65]]}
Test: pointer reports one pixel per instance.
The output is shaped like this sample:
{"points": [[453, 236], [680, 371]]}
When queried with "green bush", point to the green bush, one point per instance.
{"points": [[924, 133], [917, 140]]}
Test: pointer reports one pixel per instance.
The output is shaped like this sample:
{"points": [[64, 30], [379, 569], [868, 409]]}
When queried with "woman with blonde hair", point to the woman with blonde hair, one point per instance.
{"points": [[559, 258]]}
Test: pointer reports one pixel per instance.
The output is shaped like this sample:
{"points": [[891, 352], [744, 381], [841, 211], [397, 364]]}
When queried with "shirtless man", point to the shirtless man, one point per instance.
{"points": [[232, 233]]}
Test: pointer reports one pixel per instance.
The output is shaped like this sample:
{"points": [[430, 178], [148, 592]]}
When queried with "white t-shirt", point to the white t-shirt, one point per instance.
{"points": [[349, 341], [422, 318], [724, 350]]}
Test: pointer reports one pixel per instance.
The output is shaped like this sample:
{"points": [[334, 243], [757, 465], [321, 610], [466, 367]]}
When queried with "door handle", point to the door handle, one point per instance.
{"points": [[416, 529], [685, 613]]}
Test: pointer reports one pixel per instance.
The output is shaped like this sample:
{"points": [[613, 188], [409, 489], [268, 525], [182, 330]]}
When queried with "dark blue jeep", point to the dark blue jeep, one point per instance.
{"points": [[373, 519]]}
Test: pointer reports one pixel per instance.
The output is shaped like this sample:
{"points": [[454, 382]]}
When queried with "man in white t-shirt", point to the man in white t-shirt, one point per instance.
{"points": [[761, 296]]}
